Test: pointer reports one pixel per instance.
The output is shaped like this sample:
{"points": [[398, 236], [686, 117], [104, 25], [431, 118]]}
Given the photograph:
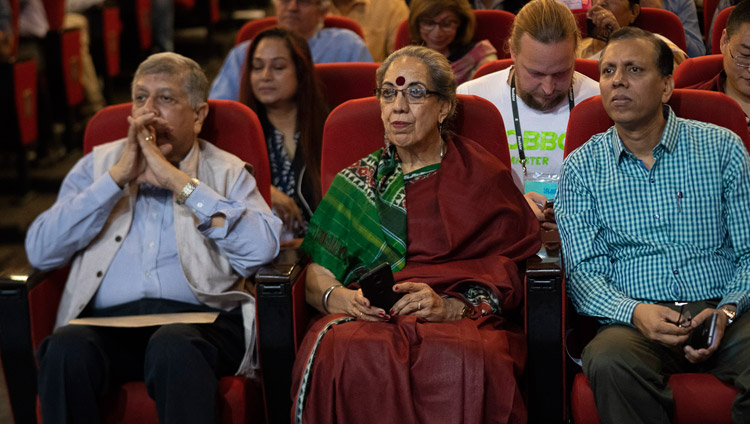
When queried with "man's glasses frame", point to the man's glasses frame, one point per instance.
{"points": [[736, 62]]}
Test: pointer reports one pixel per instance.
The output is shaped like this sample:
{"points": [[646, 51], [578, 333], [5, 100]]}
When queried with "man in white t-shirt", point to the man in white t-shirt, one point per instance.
{"points": [[543, 43]]}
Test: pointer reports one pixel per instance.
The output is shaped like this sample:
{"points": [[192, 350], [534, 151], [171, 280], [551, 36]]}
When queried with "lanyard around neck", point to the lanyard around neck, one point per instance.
{"points": [[517, 118]]}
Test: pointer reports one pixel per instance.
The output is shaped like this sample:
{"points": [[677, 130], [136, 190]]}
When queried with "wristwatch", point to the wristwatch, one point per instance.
{"points": [[729, 313], [187, 191]]}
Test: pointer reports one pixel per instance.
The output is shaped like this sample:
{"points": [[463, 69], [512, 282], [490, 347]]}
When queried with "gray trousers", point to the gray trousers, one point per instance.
{"points": [[629, 373]]}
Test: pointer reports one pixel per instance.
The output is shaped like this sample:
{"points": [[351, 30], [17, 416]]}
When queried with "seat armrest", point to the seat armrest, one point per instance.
{"points": [[277, 322], [544, 335], [19, 364]]}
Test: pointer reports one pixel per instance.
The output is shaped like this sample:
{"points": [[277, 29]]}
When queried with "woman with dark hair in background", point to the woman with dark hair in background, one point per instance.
{"points": [[448, 27], [280, 84]]}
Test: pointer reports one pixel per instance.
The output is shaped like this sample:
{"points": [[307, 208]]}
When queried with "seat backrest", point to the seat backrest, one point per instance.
{"points": [[709, 8], [719, 25], [589, 117], [346, 80], [230, 125], [697, 69], [252, 28], [658, 21], [664, 22], [587, 67], [354, 129], [492, 25]]}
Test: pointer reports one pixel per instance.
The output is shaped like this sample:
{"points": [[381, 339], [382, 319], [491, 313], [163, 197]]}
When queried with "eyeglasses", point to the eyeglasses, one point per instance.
{"points": [[742, 62], [413, 95], [303, 3], [445, 24]]}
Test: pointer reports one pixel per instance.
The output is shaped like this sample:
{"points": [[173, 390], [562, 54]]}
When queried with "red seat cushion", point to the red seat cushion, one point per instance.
{"points": [[699, 399], [239, 398]]}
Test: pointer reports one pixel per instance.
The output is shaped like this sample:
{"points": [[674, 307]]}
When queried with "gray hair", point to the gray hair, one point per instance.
{"points": [[438, 69], [194, 80]]}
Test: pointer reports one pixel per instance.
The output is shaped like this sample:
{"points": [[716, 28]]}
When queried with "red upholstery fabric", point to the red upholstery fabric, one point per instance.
{"points": [[230, 125], [111, 29], [588, 67], [709, 8], [719, 25], [658, 21], [589, 117], [492, 25], [143, 21], [71, 66], [25, 95], [55, 10], [357, 125], [699, 399], [697, 69], [663, 22], [255, 27], [346, 80], [15, 11]]}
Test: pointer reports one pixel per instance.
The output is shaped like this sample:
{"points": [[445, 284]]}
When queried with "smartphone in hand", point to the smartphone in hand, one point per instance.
{"points": [[377, 287], [703, 336]]}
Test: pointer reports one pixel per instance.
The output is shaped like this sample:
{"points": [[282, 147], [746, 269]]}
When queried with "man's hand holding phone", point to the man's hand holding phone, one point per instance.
{"points": [[707, 328]]}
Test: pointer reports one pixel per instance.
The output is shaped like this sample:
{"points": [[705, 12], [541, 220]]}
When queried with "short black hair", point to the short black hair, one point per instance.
{"points": [[740, 15], [664, 57]]}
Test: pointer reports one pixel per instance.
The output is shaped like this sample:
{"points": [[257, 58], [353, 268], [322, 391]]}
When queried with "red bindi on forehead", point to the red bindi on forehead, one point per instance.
{"points": [[400, 81]]}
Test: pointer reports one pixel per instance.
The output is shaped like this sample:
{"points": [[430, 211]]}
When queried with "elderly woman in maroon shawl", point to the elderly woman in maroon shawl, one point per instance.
{"points": [[444, 213]]}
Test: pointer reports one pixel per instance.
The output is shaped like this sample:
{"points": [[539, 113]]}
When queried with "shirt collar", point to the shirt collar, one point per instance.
{"points": [[668, 138]]}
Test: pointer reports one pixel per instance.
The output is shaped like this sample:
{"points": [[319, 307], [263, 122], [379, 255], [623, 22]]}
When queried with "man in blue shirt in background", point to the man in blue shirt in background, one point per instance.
{"points": [[653, 212]]}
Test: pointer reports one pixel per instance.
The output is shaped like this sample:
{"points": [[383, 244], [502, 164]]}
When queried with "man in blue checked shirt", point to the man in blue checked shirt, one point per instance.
{"points": [[652, 212]]}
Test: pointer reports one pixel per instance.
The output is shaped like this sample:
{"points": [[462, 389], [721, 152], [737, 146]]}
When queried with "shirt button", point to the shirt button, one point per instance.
{"points": [[148, 273], [99, 273], [676, 272], [154, 214], [200, 204], [652, 180], [151, 245], [118, 238], [656, 216]]}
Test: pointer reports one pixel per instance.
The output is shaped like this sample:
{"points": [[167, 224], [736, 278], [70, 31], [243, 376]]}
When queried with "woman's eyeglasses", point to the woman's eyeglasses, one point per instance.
{"points": [[445, 24], [413, 95]]}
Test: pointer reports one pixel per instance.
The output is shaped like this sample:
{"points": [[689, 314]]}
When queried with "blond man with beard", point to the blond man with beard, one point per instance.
{"points": [[543, 43]]}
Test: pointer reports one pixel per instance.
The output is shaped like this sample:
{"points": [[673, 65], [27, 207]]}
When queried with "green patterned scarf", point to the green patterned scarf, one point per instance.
{"points": [[361, 221]]}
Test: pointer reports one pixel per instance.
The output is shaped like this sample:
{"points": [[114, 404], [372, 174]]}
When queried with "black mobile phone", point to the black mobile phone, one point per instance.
{"points": [[377, 287], [703, 335]]}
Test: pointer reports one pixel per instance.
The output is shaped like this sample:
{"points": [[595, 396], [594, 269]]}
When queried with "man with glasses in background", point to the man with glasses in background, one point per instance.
{"points": [[305, 17], [734, 79]]}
